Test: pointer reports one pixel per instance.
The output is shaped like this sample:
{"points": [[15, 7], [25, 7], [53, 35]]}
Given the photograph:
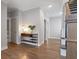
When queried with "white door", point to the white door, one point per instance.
{"points": [[9, 29], [44, 29], [13, 30]]}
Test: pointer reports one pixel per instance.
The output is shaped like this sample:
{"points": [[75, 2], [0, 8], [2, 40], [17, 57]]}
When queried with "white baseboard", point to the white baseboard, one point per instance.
{"points": [[41, 43], [3, 48], [18, 42], [54, 38]]}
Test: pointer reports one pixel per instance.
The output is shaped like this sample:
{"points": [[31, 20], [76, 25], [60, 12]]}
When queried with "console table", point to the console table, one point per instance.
{"points": [[29, 38]]}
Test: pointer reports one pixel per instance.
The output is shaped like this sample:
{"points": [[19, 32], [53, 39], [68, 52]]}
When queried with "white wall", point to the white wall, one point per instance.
{"points": [[19, 25], [31, 17], [34, 17], [47, 28], [3, 26], [41, 27], [55, 27]]}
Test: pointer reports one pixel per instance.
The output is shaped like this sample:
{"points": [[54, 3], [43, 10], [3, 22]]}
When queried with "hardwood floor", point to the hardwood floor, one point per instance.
{"points": [[49, 50]]}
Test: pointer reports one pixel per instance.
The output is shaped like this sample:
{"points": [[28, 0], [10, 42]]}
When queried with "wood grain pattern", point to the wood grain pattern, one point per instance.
{"points": [[71, 50], [49, 50]]}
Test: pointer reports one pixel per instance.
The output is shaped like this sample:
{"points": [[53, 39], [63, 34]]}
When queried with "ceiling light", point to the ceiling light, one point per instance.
{"points": [[61, 13], [50, 6]]}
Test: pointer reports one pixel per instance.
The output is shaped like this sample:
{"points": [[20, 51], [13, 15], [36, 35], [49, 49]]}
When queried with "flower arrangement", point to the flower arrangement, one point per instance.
{"points": [[32, 27]]}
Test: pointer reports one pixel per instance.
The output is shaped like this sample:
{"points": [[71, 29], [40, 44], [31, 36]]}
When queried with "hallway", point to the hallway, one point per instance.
{"points": [[49, 50]]}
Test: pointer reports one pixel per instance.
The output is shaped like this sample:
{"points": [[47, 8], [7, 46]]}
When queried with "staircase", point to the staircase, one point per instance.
{"points": [[73, 7], [73, 11]]}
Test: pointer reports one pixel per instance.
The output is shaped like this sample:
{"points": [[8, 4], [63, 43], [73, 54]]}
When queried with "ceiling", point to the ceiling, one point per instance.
{"points": [[25, 5]]}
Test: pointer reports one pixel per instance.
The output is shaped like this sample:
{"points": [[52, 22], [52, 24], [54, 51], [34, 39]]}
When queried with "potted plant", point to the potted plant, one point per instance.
{"points": [[32, 27]]}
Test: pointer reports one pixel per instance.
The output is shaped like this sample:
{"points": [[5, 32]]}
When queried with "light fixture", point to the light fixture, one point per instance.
{"points": [[60, 13], [49, 6]]}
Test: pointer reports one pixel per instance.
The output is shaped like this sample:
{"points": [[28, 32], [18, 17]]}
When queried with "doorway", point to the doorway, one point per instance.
{"points": [[45, 30], [11, 26], [9, 29]]}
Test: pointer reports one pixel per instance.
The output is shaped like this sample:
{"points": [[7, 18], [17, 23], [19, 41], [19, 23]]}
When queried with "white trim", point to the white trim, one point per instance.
{"points": [[54, 38], [3, 2], [18, 42], [63, 52], [3, 48], [41, 43]]}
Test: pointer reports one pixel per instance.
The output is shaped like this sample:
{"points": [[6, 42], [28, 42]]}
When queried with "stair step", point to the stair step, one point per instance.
{"points": [[73, 4], [72, 7], [73, 12]]}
